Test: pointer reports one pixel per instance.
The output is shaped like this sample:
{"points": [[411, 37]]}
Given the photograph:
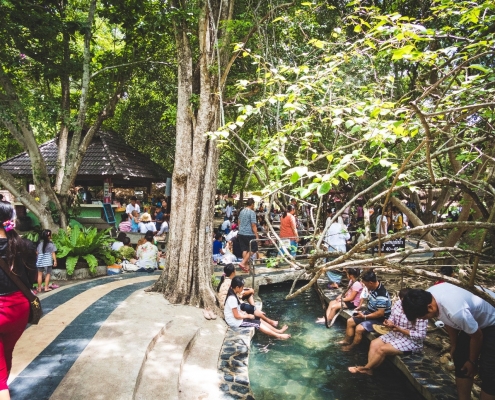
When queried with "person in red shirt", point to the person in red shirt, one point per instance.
{"points": [[288, 228]]}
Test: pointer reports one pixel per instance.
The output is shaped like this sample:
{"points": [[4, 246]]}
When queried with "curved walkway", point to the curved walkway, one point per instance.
{"points": [[109, 339]]}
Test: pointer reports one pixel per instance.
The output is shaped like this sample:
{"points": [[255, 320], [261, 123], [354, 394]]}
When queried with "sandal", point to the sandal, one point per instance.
{"points": [[245, 269]]}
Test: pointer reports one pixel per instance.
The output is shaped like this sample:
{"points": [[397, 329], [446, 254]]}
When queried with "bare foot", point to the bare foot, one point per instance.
{"points": [[284, 328], [320, 320], [347, 348], [274, 323], [283, 336], [48, 290], [360, 370], [344, 342]]}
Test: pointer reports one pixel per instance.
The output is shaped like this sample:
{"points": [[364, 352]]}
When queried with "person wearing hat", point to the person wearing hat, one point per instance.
{"points": [[146, 224], [133, 206]]}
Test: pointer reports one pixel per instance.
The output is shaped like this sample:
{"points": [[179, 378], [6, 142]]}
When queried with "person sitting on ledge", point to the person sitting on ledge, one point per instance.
{"points": [[247, 295], [125, 224], [379, 309], [119, 242], [236, 318], [351, 297], [404, 338], [470, 323], [146, 225]]}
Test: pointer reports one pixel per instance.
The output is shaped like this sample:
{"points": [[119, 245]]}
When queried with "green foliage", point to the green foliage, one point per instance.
{"points": [[88, 243], [126, 252]]}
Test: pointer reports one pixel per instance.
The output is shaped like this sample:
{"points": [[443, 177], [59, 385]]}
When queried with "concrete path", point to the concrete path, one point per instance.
{"points": [[109, 339]]}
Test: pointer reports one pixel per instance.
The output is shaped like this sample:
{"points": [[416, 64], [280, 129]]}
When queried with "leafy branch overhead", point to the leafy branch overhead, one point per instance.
{"points": [[384, 104]]}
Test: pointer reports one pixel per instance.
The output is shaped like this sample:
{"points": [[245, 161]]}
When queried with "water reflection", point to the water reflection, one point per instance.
{"points": [[311, 365]]}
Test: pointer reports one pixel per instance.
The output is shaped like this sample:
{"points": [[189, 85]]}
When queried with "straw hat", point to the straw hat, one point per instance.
{"points": [[145, 217], [381, 329]]}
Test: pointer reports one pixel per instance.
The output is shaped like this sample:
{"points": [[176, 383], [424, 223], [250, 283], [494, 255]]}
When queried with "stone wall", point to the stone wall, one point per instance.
{"points": [[80, 273]]}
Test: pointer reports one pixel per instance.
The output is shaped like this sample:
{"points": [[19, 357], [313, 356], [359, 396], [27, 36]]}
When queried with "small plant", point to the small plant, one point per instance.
{"points": [[87, 243], [214, 281]]}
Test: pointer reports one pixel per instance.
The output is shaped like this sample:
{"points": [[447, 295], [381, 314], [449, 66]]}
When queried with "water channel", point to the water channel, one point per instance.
{"points": [[310, 365]]}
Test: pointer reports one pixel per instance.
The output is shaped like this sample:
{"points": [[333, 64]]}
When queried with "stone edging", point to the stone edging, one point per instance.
{"points": [[418, 368], [234, 362], [80, 273]]}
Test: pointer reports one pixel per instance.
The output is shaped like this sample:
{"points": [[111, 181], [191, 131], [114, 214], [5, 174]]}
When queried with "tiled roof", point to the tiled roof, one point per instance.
{"points": [[107, 155]]}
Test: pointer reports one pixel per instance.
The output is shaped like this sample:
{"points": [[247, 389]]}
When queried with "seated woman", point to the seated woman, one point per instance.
{"points": [[126, 251], [351, 297], [247, 295], [335, 239], [125, 224], [404, 338], [146, 225], [217, 248], [119, 242], [236, 318], [147, 254]]}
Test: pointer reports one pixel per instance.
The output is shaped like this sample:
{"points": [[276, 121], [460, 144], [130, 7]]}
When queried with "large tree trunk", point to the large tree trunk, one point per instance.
{"points": [[187, 277]]}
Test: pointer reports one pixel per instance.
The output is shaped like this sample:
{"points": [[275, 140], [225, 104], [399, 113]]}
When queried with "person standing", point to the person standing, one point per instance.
{"points": [[19, 255], [381, 224], [47, 258], [133, 206], [288, 229], [248, 231], [229, 210], [470, 323]]}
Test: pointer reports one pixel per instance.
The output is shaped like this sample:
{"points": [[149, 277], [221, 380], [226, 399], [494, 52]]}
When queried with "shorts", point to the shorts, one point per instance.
{"points": [[48, 270], [248, 308], [251, 323], [350, 305], [368, 323], [486, 361], [244, 241]]}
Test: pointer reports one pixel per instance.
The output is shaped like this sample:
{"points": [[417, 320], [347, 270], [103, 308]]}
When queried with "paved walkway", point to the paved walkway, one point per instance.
{"points": [[109, 339]]}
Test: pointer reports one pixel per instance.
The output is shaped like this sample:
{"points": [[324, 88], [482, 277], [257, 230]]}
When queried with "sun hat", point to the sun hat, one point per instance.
{"points": [[145, 217], [381, 329]]}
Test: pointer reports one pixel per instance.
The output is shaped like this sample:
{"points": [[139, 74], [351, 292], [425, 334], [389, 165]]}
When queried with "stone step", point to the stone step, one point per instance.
{"points": [[199, 377], [158, 376]]}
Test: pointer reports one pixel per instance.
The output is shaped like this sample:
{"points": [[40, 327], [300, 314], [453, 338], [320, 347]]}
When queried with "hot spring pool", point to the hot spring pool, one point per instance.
{"points": [[310, 365]]}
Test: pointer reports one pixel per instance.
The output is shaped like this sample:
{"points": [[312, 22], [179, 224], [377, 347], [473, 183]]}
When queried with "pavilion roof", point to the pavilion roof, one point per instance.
{"points": [[107, 156]]}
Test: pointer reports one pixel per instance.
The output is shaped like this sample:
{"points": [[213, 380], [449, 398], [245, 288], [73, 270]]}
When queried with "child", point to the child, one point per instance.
{"points": [[217, 248], [46, 258], [236, 318], [135, 221]]}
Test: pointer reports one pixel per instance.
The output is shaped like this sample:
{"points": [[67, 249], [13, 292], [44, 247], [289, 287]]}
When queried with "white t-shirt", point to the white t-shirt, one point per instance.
{"points": [[230, 236], [117, 245], [130, 208], [379, 224], [225, 225], [228, 211], [229, 315], [461, 309], [164, 228], [147, 226]]}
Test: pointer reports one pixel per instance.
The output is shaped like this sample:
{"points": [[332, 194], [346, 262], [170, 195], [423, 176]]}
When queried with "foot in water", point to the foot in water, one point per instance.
{"points": [[274, 324], [343, 342], [321, 320], [284, 328], [283, 336], [360, 370], [348, 347]]}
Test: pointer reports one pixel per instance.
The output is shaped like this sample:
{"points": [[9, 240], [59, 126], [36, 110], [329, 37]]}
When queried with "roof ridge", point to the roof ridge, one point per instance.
{"points": [[107, 150]]}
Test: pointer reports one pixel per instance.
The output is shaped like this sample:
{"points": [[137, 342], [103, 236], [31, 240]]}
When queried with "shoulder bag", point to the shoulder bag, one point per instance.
{"points": [[35, 311]]}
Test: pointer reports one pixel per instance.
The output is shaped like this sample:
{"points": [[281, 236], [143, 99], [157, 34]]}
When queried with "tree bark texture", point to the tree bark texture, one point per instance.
{"points": [[187, 276]]}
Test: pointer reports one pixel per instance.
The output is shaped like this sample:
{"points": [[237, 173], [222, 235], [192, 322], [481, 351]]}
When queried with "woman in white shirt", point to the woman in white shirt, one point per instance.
{"points": [[236, 318], [147, 254], [146, 225], [335, 239]]}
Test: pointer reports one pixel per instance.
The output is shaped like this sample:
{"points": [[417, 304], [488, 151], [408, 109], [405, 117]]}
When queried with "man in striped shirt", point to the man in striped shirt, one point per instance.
{"points": [[378, 309]]}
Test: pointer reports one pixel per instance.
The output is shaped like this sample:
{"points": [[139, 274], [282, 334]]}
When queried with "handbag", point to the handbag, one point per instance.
{"points": [[35, 311]]}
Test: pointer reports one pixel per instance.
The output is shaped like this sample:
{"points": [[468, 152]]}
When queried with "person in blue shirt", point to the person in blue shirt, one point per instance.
{"points": [[217, 247]]}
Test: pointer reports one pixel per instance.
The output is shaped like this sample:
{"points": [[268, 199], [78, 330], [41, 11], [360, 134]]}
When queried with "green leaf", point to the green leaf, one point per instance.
{"points": [[402, 52], [344, 175], [92, 262], [359, 173], [70, 264], [324, 188], [294, 177], [480, 68]]}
